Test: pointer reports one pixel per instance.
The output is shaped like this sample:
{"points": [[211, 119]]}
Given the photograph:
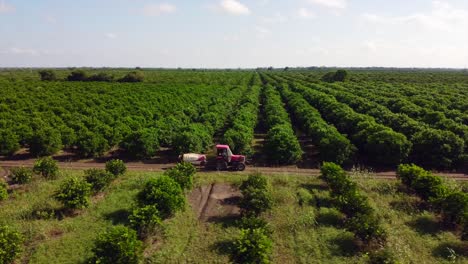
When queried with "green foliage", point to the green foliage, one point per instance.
{"points": [[118, 245], [91, 144], [45, 142], [99, 179], [21, 175], [252, 222], [253, 246], [382, 256], [304, 196], [193, 138], [74, 193], [47, 75], [183, 174], [10, 244], [116, 167], [9, 142], [256, 198], [46, 167], [101, 77], [408, 173], [133, 77], [3, 190], [282, 145], [338, 76], [143, 143], [145, 220], [163, 192], [77, 76], [454, 208], [366, 227]]}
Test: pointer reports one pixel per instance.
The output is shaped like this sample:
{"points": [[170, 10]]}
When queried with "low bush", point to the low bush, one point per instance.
{"points": [[21, 175], [116, 167], [454, 208], [383, 256], [10, 244], [145, 220], [253, 246], [3, 190], [46, 167], [429, 187], [256, 181], [247, 222], [407, 173], [99, 179], [74, 193], [118, 245], [255, 201], [163, 192], [366, 227], [183, 174], [304, 197]]}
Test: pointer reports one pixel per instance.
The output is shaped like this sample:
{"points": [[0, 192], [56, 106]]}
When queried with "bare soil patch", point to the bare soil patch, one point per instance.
{"points": [[215, 201]]}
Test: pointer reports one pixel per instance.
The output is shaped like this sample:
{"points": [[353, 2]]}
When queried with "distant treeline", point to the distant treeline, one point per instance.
{"points": [[82, 76]]}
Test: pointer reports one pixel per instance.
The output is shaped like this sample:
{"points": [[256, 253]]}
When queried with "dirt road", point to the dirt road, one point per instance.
{"points": [[140, 166]]}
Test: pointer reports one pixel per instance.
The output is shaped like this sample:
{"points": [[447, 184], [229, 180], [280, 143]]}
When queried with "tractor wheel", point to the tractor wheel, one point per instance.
{"points": [[241, 167], [221, 166]]}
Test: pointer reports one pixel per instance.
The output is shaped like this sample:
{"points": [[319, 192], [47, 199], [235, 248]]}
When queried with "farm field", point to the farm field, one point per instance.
{"points": [[274, 117], [303, 231]]}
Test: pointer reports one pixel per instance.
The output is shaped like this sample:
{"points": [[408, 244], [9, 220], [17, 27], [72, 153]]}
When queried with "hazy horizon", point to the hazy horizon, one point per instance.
{"points": [[234, 34]]}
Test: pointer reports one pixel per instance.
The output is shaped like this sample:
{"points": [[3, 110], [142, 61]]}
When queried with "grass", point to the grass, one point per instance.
{"points": [[307, 233]]}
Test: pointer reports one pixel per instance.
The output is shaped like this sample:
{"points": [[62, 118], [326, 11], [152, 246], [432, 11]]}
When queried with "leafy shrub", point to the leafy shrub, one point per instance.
{"points": [[118, 245], [91, 144], [282, 145], [47, 75], [21, 175], [3, 190], [10, 244], [429, 187], [182, 173], [45, 141], [74, 193], [145, 220], [455, 208], [304, 196], [353, 202], [366, 227], [382, 256], [256, 181], [253, 246], [407, 173], [133, 77], [330, 217], [251, 222], [143, 143], [255, 201], [163, 192], [9, 142], [338, 76], [47, 167], [116, 167], [99, 179], [193, 138], [101, 77]]}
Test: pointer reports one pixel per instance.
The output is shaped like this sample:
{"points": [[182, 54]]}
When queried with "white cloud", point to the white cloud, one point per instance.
{"points": [[275, 19], [50, 19], [234, 7], [262, 30], [111, 35], [5, 7], [442, 17], [305, 13], [20, 51], [338, 4], [159, 9]]}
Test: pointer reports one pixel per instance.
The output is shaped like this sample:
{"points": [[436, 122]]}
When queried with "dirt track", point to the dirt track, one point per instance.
{"points": [[139, 166]]}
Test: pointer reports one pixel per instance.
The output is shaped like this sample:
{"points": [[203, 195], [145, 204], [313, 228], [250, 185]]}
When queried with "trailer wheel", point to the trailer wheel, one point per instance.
{"points": [[241, 167]]}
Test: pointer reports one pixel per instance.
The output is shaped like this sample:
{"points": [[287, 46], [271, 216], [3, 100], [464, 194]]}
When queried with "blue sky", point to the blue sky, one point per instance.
{"points": [[234, 33]]}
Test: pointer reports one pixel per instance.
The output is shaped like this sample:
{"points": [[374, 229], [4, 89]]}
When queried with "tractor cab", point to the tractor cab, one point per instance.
{"points": [[225, 159]]}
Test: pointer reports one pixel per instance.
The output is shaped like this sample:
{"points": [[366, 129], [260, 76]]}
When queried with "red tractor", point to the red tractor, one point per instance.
{"points": [[226, 160]]}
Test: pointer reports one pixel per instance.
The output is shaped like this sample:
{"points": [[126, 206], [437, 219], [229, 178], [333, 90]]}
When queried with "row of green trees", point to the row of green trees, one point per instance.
{"points": [[430, 147], [332, 145], [83, 76], [241, 133], [379, 143], [452, 204], [281, 144]]}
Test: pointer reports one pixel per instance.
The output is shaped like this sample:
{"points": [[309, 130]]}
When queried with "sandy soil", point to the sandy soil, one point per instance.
{"points": [[215, 202]]}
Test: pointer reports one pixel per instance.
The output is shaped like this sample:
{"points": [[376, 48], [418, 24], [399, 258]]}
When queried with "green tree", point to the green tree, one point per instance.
{"points": [[45, 141], [3, 190], [133, 77], [74, 193], [253, 246], [21, 175], [91, 144], [10, 244], [145, 220], [118, 245], [282, 145], [47, 167], [9, 142], [183, 174], [47, 75], [143, 143], [99, 179], [116, 167], [163, 192], [77, 76]]}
